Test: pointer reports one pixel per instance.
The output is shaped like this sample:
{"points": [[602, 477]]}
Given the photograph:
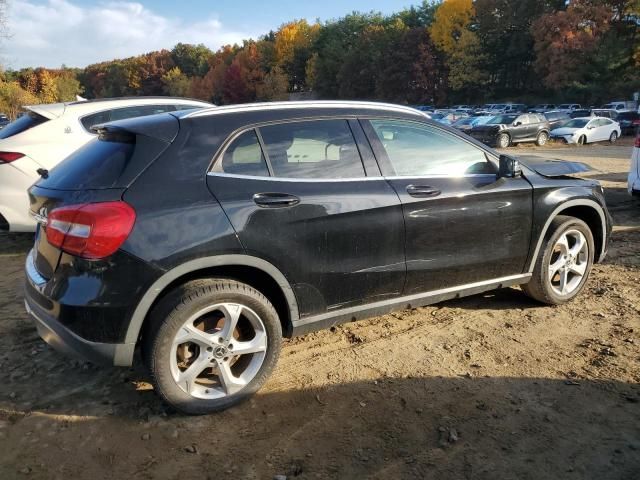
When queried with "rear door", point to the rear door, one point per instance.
{"points": [[308, 197], [463, 224]]}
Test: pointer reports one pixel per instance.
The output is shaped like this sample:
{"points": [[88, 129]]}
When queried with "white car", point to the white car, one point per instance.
{"points": [[634, 171], [47, 134], [585, 130], [569, 107]]}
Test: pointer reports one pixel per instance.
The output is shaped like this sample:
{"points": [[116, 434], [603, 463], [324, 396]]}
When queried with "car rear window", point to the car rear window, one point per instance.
{"points": [[22, 124], [107, 162]]}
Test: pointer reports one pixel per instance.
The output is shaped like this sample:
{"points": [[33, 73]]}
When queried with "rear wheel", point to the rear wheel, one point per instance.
{"points": [[542, 139], [613, 137], [564, 262], [503, 140], [211, 344]]}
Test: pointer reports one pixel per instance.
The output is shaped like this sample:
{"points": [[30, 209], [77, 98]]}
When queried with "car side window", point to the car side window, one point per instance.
{"points": [[95, 119], [312, 149], [415, 149], [139, 111], [244, 156], [522, 120]]}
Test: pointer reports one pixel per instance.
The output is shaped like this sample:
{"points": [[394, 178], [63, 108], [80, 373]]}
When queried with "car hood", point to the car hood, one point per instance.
{"points": [[564, 131], [553, 168]]}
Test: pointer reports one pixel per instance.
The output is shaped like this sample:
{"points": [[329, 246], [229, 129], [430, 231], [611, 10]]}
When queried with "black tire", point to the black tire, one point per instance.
{"points": [[613, 137], [542, 139], [503, 140], [539, 287], [168, 317], [582, 140]]}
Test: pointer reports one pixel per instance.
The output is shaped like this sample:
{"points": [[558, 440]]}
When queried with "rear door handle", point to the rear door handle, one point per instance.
{"points": [[422, 191], [275, 200]]}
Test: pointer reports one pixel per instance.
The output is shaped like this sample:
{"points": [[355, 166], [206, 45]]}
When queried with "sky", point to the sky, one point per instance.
{"points": [[76, 33]]}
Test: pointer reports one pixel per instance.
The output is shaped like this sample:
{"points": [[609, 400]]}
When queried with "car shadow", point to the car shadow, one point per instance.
{"points": [[96, 421], [15, 243]]}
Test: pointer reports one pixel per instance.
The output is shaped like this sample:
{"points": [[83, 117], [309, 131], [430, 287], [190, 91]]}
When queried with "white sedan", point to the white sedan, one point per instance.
{"points": [[587, 130]]}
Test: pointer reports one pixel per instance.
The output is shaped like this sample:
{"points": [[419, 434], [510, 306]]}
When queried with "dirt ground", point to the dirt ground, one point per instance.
{"points": [[493, 386]]}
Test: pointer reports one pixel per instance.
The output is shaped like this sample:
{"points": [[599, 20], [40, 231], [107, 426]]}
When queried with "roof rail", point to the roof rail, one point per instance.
{"points": [[250, 107]]}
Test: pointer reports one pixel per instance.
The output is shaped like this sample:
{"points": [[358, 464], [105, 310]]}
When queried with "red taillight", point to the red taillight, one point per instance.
{"points": [[92, 230], [8, 157]]}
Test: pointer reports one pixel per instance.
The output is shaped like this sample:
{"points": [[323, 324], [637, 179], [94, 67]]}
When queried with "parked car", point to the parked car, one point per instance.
{"points": [[634, 171], [543, 107], [504, 130], [233, 227], [629, 122], [569, 107], [581, 113], [621, 105], [608, 113], [587, 130], [556, 119], [47, 134], [515, 108], [467, 123]]}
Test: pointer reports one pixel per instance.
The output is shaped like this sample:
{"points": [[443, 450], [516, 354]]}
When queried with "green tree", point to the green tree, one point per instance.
{"points": [[192, 60], [176, 83]]}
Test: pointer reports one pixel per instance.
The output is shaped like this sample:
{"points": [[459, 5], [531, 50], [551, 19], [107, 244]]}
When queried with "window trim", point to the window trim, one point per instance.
{"points": [[217, 157], [386, 167]]}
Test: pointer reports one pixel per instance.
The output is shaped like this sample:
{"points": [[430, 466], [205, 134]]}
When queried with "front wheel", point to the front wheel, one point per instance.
{"points": [[564, 262], [613, 137], [503, 140], [542, 139], [582, 140], [211, 344]]}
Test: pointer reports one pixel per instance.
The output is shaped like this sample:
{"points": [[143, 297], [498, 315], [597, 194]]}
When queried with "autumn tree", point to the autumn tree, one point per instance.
{"points": [[453, 33], [13, 97], [293, 48], [176, 83]]}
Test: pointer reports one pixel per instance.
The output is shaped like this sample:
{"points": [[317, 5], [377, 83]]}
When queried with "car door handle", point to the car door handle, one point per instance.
{"points": [[275, 200], [422, 191]]}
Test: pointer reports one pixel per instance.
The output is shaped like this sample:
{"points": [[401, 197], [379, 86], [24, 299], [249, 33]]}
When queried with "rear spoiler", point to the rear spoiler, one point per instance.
{"points": [[162, 126]]}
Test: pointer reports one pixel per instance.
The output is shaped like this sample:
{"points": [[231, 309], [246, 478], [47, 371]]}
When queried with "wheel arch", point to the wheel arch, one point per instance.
{"points": [[590, 212], [254, 271]]}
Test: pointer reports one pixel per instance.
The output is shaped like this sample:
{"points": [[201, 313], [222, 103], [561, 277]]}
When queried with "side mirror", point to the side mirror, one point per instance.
{"points": [[517, 124], [509, 167]]}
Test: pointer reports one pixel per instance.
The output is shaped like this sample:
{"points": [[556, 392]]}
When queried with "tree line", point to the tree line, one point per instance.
{"points": [[440, 52]]}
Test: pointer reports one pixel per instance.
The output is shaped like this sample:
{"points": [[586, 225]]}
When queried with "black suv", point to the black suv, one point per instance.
{"points": [[506, 129], [207, 236]]}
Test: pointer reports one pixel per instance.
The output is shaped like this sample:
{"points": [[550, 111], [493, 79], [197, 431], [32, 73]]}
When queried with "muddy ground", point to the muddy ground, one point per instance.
{"points": [[493, 386]]}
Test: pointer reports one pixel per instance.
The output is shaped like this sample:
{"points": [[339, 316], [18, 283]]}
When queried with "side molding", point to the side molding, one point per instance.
{"points": [[154, 291], [557, 211]]}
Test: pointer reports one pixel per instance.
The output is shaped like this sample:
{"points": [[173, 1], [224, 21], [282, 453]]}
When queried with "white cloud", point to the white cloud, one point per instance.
{"points": [[58, 32]]}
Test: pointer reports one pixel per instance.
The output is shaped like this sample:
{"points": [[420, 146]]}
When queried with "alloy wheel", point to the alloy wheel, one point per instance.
{"points": [[613, 137], [568, 262], [218, 351]]}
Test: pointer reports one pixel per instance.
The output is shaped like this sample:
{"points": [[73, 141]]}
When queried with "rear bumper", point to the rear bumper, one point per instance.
{"points": [[65, 341], [85, 329]]}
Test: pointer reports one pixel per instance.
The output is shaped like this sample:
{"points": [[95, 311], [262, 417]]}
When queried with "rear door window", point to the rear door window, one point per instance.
{"points": [[312, 149], [244, 157], [22, 124]]}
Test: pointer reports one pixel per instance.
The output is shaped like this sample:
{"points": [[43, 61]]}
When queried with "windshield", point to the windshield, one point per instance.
{"points": [[436, 116], [565, 106], [577, 123], [464, 121], [502, 120], [22, 124]]}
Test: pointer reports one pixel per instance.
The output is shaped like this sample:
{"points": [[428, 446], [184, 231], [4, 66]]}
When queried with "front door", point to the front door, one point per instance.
{"points": [[463, 223], [298, 196]]}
